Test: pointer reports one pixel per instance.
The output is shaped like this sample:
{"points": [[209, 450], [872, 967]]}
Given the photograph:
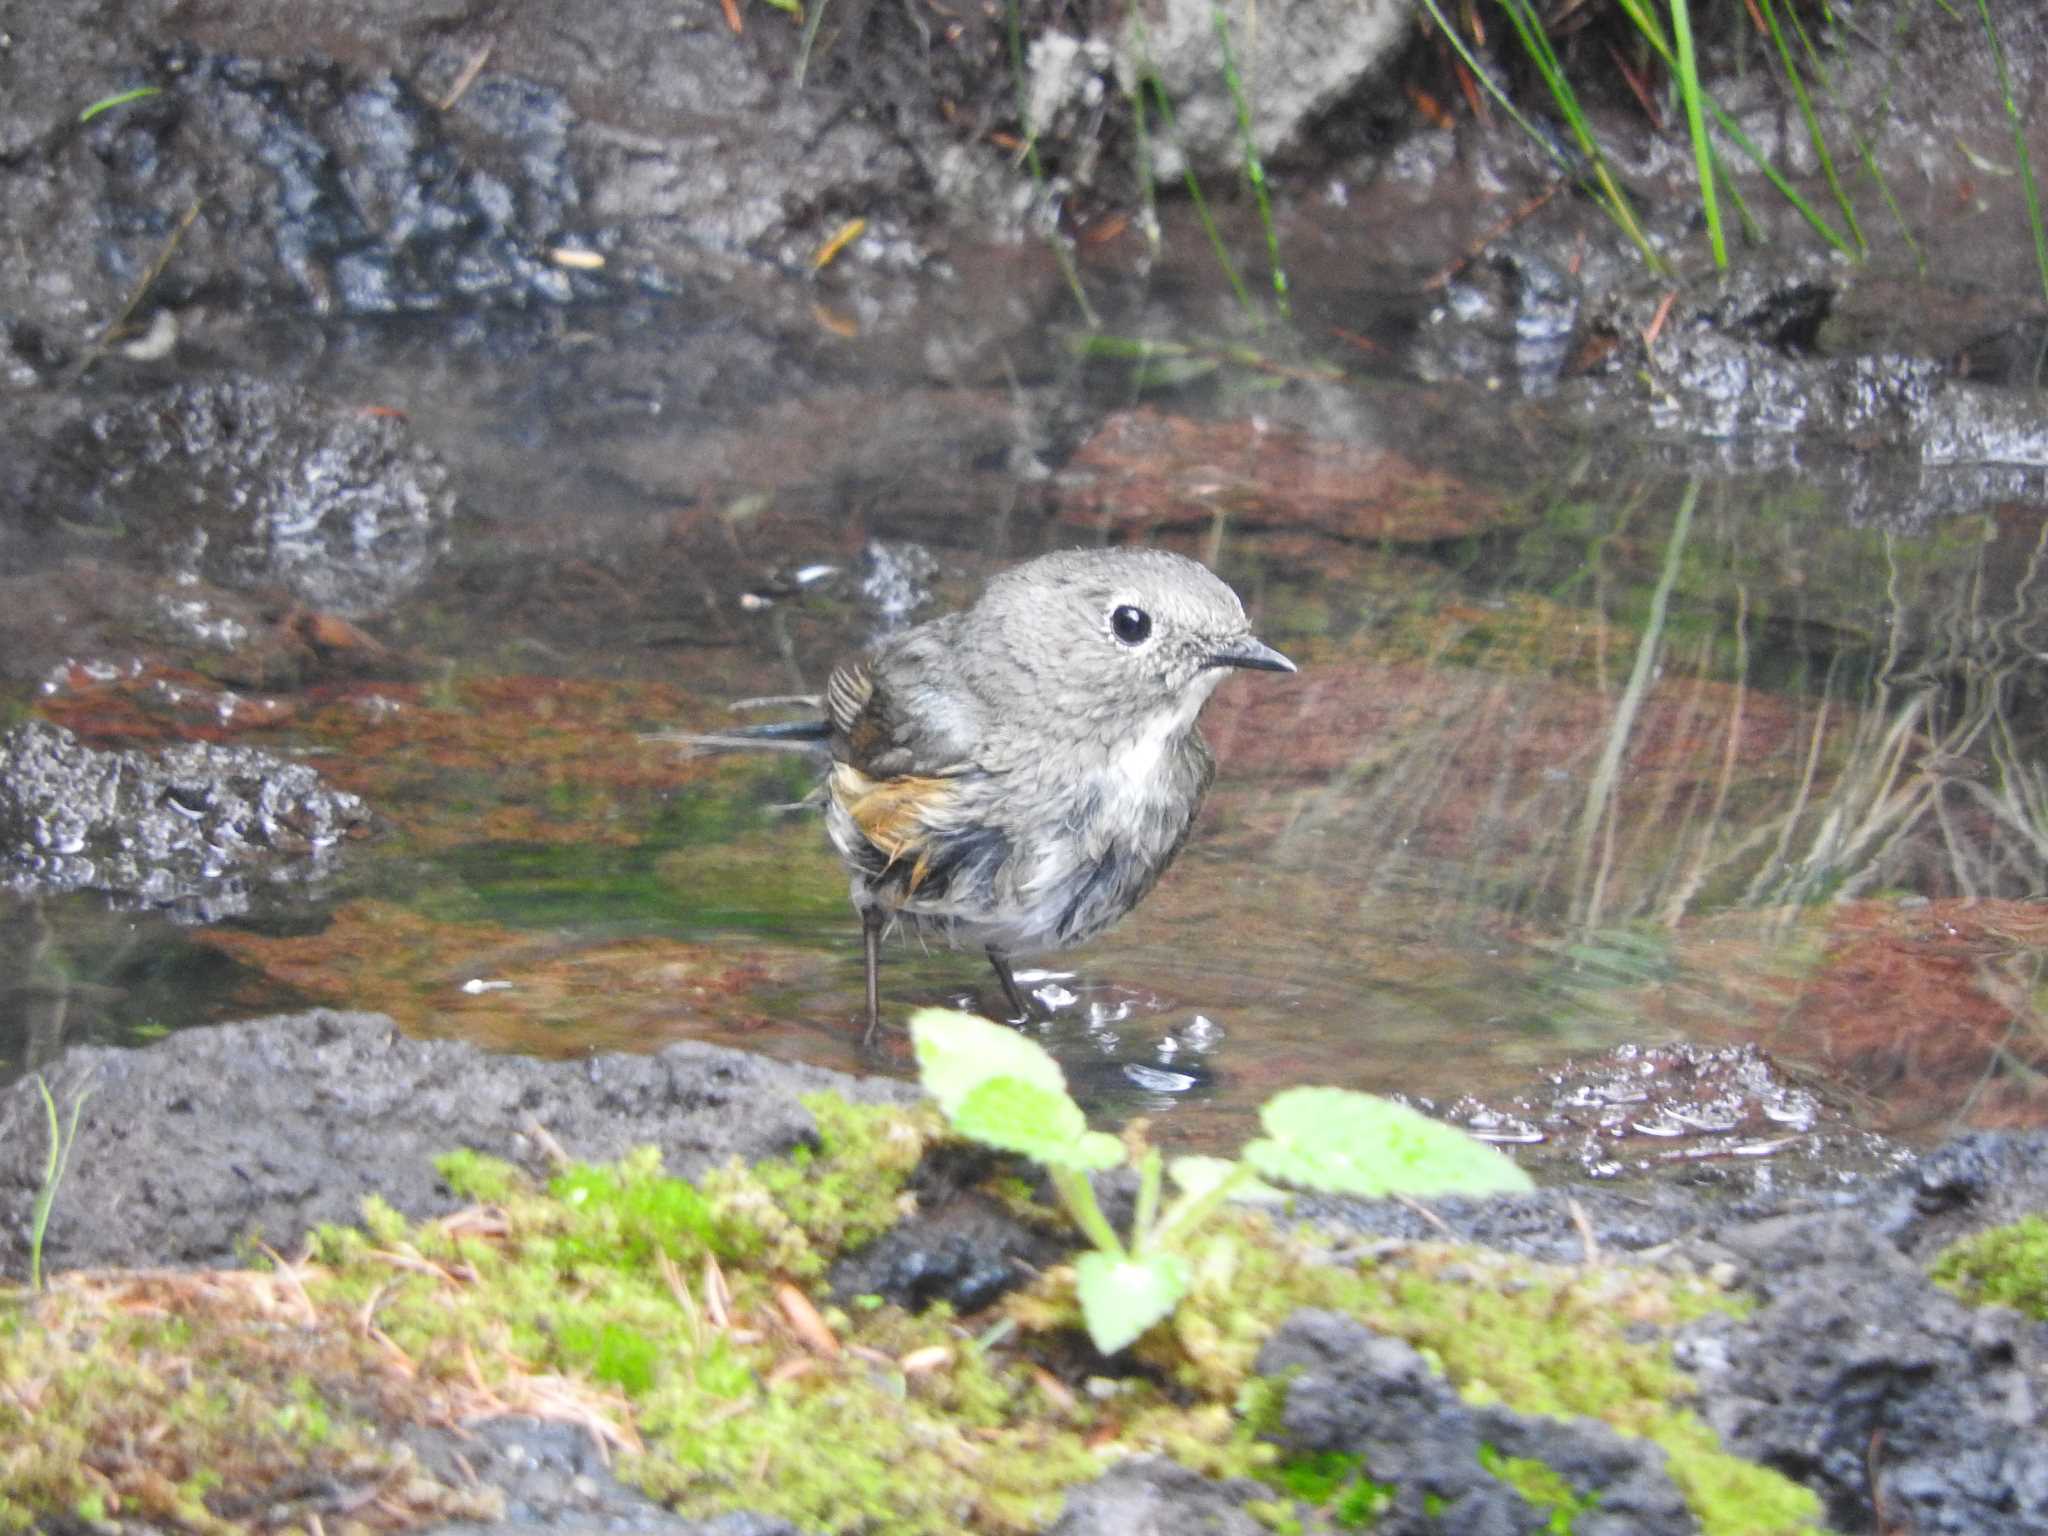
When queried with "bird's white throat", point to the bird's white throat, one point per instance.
{"points": [[1132, 774]]}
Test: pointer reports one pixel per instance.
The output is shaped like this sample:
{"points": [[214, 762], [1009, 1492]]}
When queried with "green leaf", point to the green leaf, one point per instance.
{"points": [[1354, 1144], [956, 1053], [1042, 1123], [1121, 1298]]}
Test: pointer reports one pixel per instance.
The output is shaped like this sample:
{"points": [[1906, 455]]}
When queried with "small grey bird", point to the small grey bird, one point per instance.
{"points": [[1018, 775]]}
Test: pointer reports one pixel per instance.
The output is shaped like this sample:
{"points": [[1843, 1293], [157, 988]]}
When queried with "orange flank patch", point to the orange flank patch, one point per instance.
{"points": [[892, 814]]}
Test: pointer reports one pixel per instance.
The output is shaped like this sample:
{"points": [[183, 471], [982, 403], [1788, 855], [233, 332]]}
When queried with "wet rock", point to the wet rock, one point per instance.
{"points": [[1635, 1109], [370, 199], [553, 1478], [1981, 1180], [372, 158], [254, 484], [1903, 1408], [90, 623], [1295, 62], [960, 1247], [1151, 1496], [186, 828], [307, 183], [270, 1127], [1358, 1393], [1513, 317], [1896, 437]]}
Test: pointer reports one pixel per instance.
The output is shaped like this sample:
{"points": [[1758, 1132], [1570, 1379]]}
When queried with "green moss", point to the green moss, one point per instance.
{"points": [[794, 1214], [623, 1214], [477, 1176], [1336, 1483], [1538, 1339], [1541, 1486], [2006, 1265], [862, 1449], [663, 1308], [611, 1353], [172, 1400]]}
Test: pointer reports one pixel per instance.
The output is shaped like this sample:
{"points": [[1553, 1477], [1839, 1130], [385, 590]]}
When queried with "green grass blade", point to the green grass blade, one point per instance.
{"points": [[1500, 97], [1752, 229], [1692, 94], [813, 19], [2019, 143], [1810, 118], [1646, 23], [1529, 29], [1884, 189], [1141, 137], [53, 1175], [1201, 204], [1866, 151], [1254, 168], [108, 103]]}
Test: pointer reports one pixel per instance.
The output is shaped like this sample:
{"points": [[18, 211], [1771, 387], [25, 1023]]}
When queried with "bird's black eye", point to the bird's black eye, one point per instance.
{"points": [[1131, 625]]}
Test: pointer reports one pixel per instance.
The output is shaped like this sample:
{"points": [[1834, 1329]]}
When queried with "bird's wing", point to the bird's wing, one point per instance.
{"points": [[905, 733], [906, 711]]}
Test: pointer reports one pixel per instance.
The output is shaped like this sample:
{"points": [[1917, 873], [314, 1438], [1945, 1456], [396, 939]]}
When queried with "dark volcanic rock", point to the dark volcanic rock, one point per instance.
{"points": [[270, 1127], [367, 157], [960, 1247], [1360, 1393], [1963, 1186], [553, 1478], [184, 828], [1905, 1409], [1151, 1496]]}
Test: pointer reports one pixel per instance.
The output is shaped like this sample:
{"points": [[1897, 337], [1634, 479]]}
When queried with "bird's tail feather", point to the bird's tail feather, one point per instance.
{"points": [[772, 736]]}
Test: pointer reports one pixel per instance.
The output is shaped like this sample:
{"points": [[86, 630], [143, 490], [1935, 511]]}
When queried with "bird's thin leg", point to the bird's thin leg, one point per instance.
{"points": [[871, 921], [1020, 1011]]}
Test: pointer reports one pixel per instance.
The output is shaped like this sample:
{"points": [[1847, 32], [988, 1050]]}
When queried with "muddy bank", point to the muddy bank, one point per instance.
{"points": [[1848, 1370]]}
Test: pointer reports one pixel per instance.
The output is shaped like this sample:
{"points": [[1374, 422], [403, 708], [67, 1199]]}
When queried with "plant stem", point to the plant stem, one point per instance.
{"points": [[1190, 1211], [53, 1175], [1078, 1195], [2019, 145], [1151, 1171]]}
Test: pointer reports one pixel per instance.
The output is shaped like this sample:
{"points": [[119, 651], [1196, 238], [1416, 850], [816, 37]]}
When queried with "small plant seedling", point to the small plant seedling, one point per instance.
{"points": [[1001, 1089], [61, 1139]]}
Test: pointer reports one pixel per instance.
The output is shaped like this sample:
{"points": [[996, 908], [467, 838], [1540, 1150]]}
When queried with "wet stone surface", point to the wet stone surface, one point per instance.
{"points": [[273, 1126], [189, 828], [552, 1478], [1640, 1109], [249, 483]]}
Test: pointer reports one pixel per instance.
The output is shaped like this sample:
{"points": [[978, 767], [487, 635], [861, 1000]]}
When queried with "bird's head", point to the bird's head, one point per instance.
{"points": [[1128, 635]]}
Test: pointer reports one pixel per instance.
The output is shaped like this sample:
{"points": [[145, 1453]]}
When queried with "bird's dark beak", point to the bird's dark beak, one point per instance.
{"points": [[1255, 654]]}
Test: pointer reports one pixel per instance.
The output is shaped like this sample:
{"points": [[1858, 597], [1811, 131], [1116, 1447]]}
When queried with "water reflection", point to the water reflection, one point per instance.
{"points": [[1588, 752]]}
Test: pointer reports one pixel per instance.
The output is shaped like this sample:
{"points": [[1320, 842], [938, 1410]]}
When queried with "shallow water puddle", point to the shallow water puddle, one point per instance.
{"points": [[1587, 756]]}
